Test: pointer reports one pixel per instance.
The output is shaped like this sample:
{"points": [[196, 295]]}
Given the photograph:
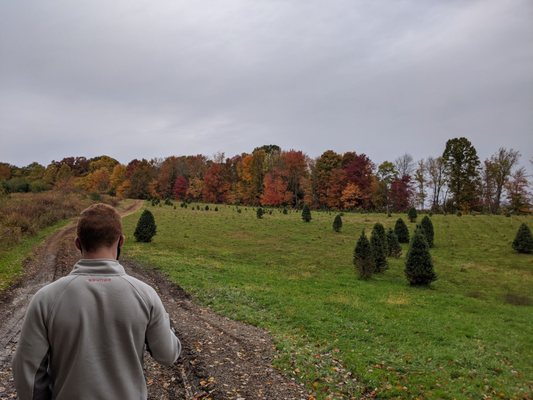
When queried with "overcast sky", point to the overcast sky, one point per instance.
{"points": [[155, 78]]}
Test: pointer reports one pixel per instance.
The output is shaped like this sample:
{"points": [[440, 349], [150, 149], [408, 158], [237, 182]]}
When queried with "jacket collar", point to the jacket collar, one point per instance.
{"points": [[101, 266]]}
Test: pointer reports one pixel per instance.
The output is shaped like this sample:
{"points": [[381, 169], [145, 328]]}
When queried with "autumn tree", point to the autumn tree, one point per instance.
{"points": [[420, 179], [400, 193], [181, 185], [517, 191], [274, 191], [140, 175], [437, 179], [325, 188], [501, 166], [363, 258], [462, 169], [404, 165], [351, 196], [387, 174], [358, 170], [215, 186], [294, 163]]}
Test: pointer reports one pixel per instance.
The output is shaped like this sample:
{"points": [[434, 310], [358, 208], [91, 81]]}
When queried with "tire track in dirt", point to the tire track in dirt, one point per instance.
{"points": [[221, 358]]}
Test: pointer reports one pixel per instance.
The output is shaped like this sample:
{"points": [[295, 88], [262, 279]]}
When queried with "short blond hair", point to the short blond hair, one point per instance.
{"points": [[98, 226]]}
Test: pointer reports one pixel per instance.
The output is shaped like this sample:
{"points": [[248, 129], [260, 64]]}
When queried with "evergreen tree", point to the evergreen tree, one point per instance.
{"points": [[259, 213], [379, 249], [363, 258], [427, 226], [337, 223], [146, 228], [401, 231], [395, 250], [418, 264], [523, 242], [412, 214], [306, 213]]}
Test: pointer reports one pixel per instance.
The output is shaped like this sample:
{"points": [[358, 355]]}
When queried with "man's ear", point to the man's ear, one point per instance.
{"points": [[121, 240], [77, 242]]}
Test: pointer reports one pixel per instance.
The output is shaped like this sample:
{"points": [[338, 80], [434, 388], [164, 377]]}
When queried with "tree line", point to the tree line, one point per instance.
{"points": [[270, 176]]}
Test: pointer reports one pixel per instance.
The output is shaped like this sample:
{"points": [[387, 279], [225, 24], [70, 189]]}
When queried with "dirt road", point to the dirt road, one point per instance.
{"points": [[221, 358]]}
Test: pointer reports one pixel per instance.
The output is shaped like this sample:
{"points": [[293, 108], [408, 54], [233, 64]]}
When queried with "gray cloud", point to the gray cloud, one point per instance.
{"points": [[150, 79]]}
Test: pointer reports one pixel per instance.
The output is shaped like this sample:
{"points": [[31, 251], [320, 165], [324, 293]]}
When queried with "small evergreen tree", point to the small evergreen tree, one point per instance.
{"points": [[412, 214], [306, 213], [427, 226], [337, 223], [418, 264], [285, 212], [379, 251], [363, 258], [523, 242], [379, 230], [401, 231], [395, 250], [259, 213], [146, 228]]}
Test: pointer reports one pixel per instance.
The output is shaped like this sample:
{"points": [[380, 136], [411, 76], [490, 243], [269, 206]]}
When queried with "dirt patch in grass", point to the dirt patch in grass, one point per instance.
{"points": [[517, 299]]}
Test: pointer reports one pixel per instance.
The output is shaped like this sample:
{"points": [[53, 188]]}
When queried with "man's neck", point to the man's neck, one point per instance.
{"points": [[107, 253]]}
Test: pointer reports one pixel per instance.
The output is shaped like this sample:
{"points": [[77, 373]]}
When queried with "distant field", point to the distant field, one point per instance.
{"points": [[467, 336]]}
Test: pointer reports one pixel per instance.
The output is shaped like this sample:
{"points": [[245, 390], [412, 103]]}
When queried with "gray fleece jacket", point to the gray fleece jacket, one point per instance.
{"points": [[84, 336]]}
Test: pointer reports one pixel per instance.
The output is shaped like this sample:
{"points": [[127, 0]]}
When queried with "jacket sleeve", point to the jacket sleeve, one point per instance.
{"points": [[161, 341], [30, 363]]}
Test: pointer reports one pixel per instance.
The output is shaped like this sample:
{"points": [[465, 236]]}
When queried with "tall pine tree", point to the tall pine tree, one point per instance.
{"points": [[401, 230], [523, 242], [395, 250], [427, 226], [379, 251], [146, 228], [363, 258], [419, 265]]}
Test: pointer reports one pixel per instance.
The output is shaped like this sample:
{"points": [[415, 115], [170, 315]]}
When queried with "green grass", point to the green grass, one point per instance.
{"points": [[11, 259], [462, 338]]}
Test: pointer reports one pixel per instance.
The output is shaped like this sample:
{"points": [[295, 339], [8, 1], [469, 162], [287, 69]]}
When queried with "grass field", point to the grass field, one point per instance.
{"points": [[468, 336]]}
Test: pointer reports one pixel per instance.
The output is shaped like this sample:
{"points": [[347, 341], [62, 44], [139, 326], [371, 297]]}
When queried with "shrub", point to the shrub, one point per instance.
{"points": [[206, 208], [401, 231], [429, 232], [285, 211], [378, 242], [259, 213], [306, 213], [459, 214], [418, 265], [412, 214], [216, 208], [168, 202], [523, 242], [395, 250], [363, 260], [337, 223], [146, 228]]}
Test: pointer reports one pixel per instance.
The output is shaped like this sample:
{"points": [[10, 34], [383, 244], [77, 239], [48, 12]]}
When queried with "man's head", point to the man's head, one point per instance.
{"points": [[99, 228]]}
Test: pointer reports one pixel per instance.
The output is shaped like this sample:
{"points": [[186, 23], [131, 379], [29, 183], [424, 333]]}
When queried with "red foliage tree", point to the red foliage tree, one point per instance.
{"points": [[274, 191], [180, 188], [400, 193]]}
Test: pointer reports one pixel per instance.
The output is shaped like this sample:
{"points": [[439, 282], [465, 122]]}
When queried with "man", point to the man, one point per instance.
{"points": [[84, 335]]}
